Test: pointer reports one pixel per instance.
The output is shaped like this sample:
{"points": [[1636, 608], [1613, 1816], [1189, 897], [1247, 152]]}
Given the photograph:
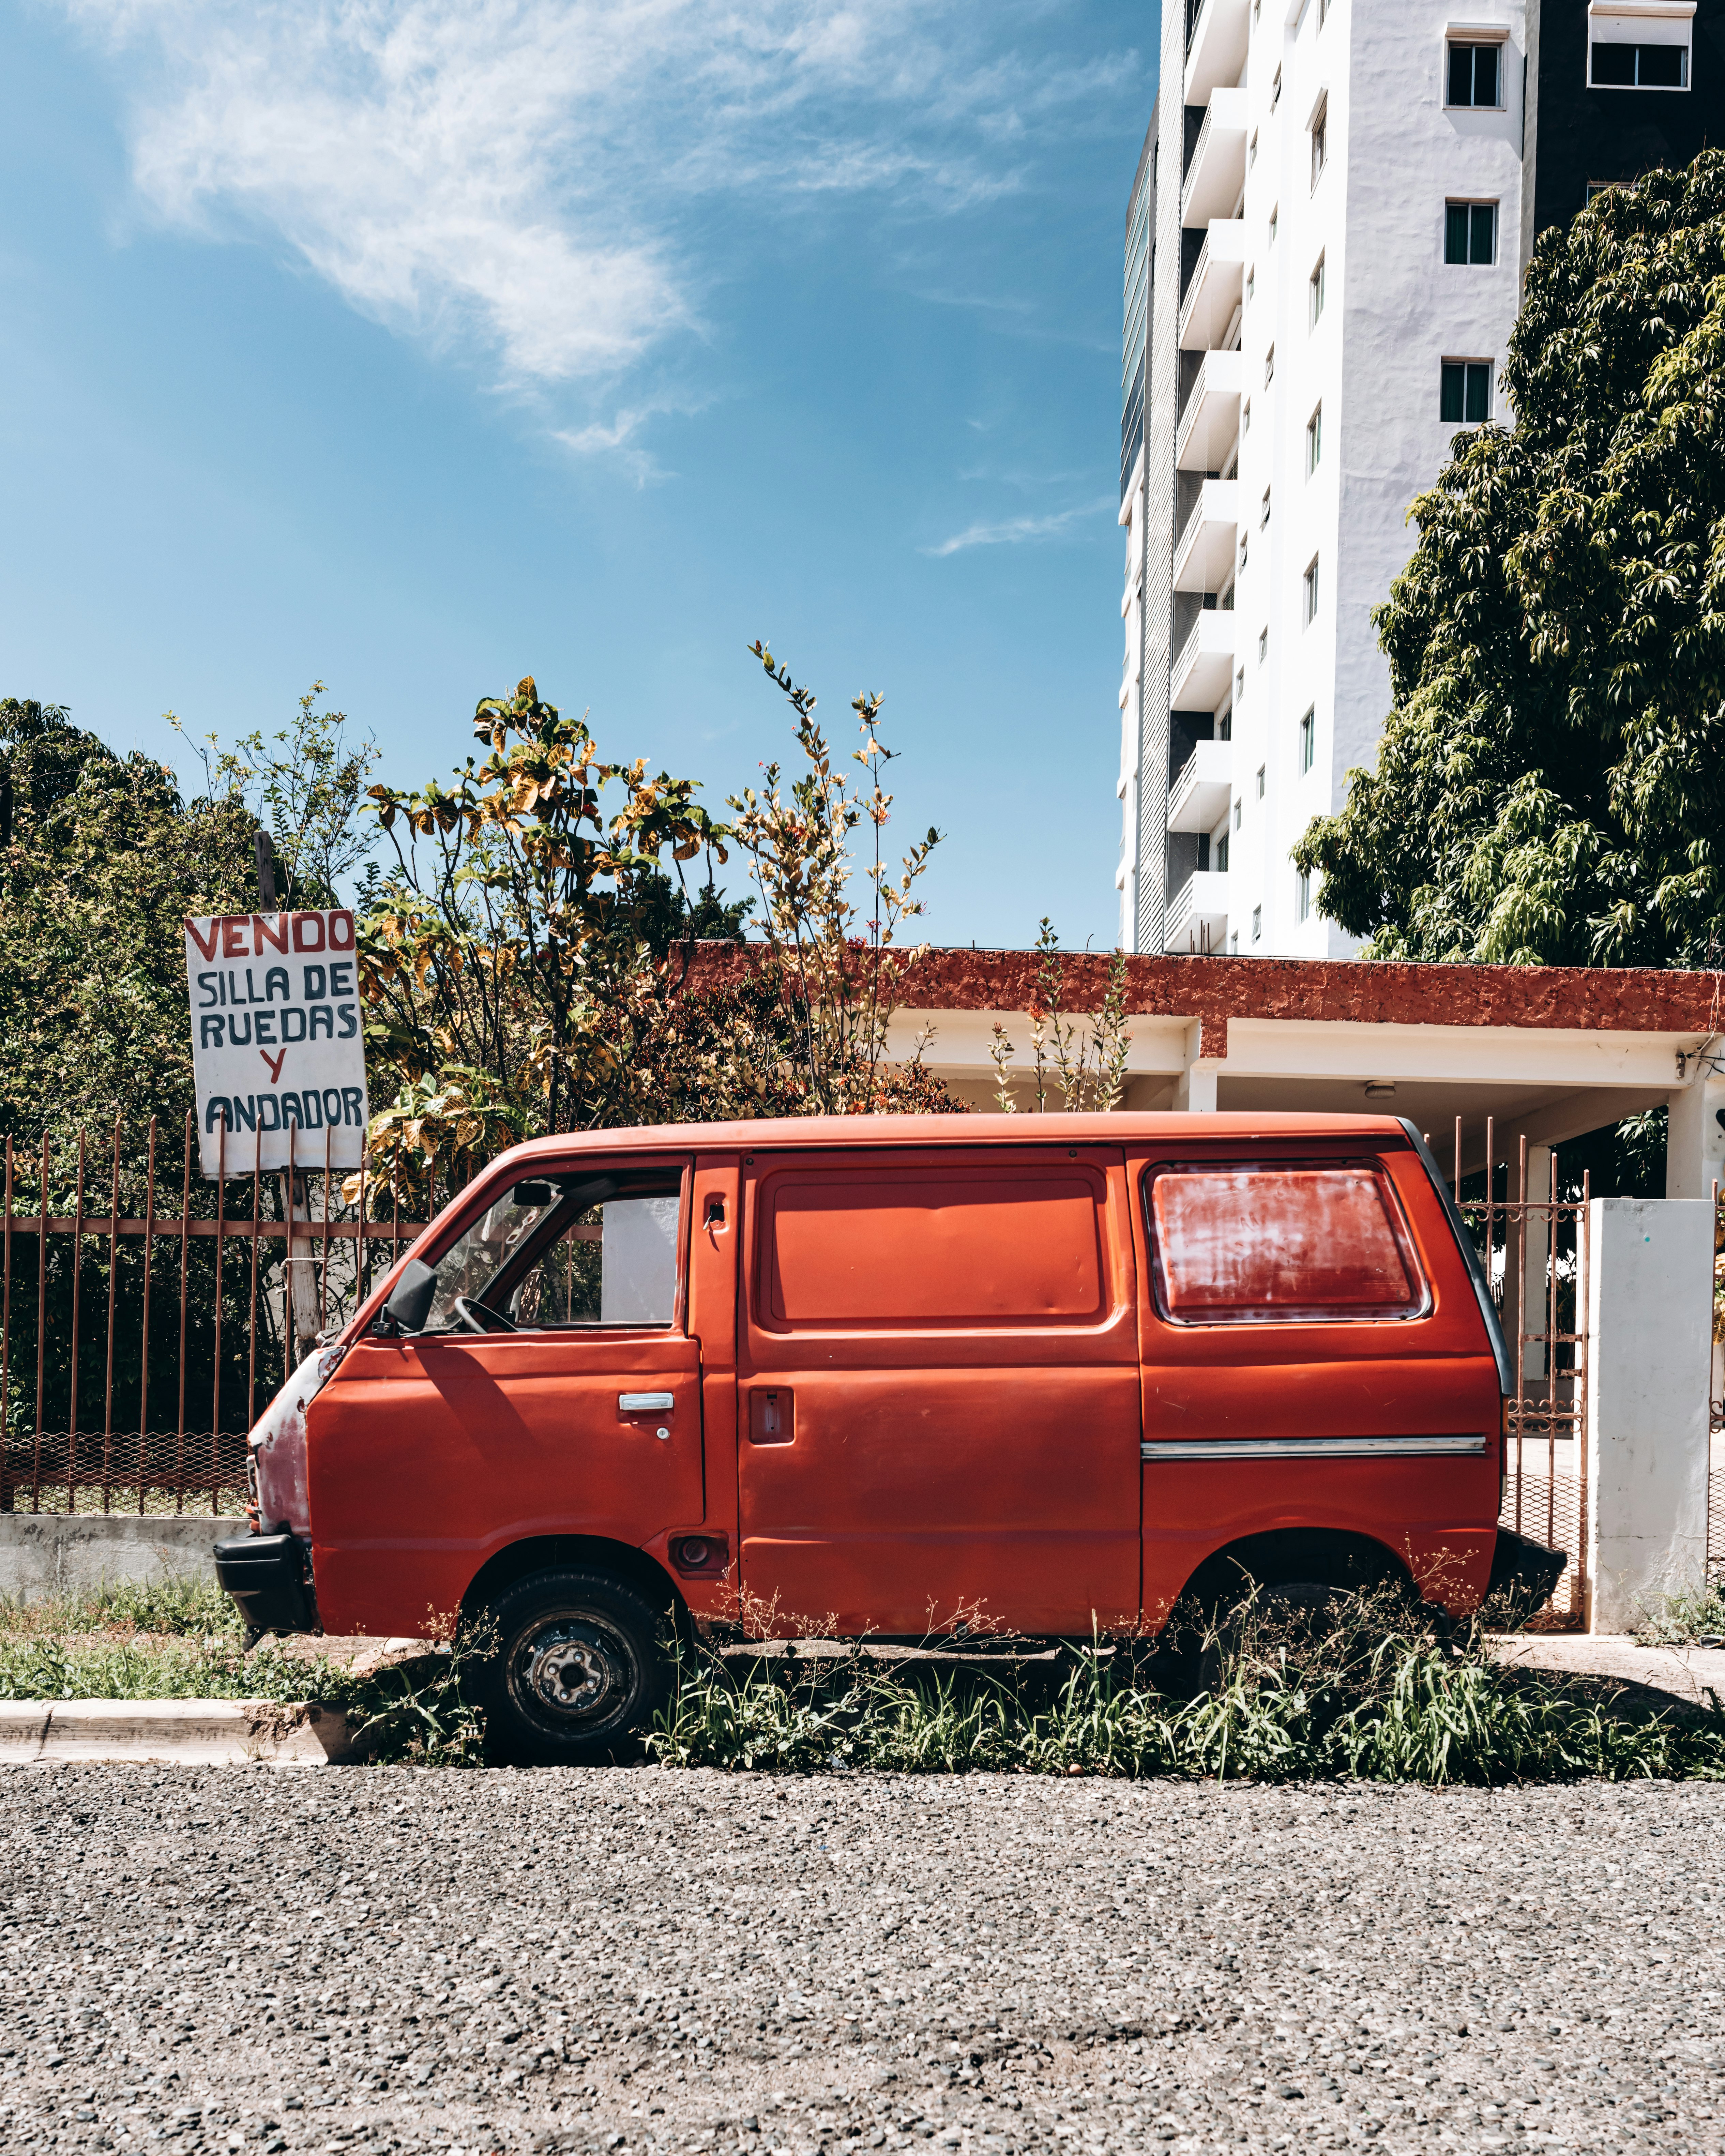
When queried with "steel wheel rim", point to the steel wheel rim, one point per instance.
{"points": [[572, 1673]]}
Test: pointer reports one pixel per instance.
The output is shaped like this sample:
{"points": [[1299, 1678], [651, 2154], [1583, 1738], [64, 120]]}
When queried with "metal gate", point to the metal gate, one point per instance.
{"points": [[1534, 1247], [1716, 1408], [145, 1318]]}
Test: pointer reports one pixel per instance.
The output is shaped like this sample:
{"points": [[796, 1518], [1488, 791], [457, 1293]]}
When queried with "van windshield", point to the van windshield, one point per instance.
{"points": [[563, 1251]]}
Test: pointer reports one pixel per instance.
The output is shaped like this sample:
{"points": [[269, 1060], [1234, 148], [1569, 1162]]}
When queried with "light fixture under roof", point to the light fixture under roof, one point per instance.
{"points": [[1381, 1089]]}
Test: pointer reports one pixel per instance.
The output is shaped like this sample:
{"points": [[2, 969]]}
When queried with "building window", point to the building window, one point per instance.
{"points": [[1274, 220], [1312, 591], [1224, 724], [1638, 67], [1245, 417], [1270, 367], [1239, 685], [1252, 150], [1257, 923], [1264, 514], [1464, 397], [1302, 896], [1240, 568], [1320, 140], [1263, 645], [1238, 809], [1219, 853], [1315, 295], [1475, 74], [1324, 12], [1275, 91], [1252, 283], [1308, 728], [1471, 232], [1314, 440], [1234, 945]]}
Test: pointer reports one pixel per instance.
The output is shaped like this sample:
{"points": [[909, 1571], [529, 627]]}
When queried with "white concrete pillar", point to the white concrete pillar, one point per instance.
{"points": [[1195, 1089], [1695, 1145], [1649, 1355]]}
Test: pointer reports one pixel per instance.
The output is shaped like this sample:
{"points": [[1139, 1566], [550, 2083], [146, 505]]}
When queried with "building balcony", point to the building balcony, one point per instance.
{"points": [[1216, 48], [1204, 667], [1209, 422], [1198, 913], [1217, 172], [1198, 800], [1212, 293], [1204, 551]]}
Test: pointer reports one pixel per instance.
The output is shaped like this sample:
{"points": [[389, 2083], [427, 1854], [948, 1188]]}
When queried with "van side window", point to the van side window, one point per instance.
{"points": [[917, 1246], [1260, 1242], [568, 1250]]}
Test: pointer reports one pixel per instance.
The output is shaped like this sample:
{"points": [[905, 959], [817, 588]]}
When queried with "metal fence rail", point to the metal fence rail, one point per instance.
{"points": [[1716, 1408], [1534, 1248], [142, 1325]]}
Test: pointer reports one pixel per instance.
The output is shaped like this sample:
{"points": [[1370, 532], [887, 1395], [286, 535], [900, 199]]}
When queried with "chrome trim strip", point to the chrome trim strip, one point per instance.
{"points": [[1471, 1443]]}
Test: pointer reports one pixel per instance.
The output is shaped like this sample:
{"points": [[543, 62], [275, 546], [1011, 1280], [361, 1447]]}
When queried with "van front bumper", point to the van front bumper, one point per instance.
{"points": [[269, 1577]]}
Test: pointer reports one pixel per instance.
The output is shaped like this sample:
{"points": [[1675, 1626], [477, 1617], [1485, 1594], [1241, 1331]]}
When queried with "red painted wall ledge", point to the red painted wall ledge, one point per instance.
{"points": [[1566, 998]]}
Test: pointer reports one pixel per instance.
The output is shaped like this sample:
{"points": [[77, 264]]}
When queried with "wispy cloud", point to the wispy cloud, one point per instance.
{"points": [[510, 178], [1017, 530]]}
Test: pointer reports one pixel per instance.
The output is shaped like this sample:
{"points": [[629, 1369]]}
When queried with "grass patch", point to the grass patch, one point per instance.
{"points": [[181, 1639], [1693, 1618], [1366, 1690], [187, 1609]]}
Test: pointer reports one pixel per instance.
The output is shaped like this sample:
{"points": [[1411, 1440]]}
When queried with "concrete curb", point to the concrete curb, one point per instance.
{"points": [[182, 1732]]}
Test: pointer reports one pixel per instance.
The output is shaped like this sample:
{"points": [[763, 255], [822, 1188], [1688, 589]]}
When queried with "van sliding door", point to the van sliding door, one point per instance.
{"points": [[938, 1411]]}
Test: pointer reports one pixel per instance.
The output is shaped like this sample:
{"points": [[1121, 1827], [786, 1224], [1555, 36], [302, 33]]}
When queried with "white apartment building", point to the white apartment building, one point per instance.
{"points": [[1323, 264]]}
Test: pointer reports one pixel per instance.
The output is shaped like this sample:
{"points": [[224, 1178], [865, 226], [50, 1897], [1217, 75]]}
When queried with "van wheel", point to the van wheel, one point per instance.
{"points": [[568, 1671]]}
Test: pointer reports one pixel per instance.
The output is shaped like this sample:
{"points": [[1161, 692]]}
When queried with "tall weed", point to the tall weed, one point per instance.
{"points": [[1368, 1689]]}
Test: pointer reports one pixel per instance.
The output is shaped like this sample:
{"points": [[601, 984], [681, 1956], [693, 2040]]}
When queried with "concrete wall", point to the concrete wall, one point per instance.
{"points": [[44, 1553], [1649, 1323]]}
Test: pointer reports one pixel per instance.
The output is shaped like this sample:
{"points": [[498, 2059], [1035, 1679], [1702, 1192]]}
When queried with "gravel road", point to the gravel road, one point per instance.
{"points": [[375, 1959]]}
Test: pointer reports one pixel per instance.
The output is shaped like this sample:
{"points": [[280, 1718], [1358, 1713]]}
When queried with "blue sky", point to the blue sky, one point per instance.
{"points": [[414, 346]]}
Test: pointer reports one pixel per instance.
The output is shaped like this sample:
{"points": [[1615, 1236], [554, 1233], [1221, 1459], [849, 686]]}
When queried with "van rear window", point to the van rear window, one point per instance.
{"points": [[1264, 1243], [913, 1246]]}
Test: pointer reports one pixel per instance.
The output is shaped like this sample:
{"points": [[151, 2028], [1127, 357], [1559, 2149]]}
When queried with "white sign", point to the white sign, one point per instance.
{"points": [[276, 1041]]}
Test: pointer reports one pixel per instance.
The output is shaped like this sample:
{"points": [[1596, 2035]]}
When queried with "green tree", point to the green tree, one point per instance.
{"points": [[516, 948], [838, 971], [305, 784], [1550, 785], [106, 859]]}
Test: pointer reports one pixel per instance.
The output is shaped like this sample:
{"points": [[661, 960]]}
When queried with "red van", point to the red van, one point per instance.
{"points": [[892, 1375]]}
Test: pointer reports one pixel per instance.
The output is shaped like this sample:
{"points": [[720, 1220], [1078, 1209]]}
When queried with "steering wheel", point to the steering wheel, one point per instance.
{"points": [[480, 1318]]}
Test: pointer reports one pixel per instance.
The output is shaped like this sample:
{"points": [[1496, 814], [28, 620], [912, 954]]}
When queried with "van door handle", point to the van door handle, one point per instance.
{"points": [[645, 1402]]}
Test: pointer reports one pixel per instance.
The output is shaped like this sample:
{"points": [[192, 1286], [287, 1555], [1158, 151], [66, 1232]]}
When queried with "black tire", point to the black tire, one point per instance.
{"points": [[569, 1671]]}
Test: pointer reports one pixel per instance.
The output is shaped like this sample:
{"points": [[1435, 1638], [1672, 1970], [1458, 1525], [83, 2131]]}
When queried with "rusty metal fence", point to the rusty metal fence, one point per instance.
{"points": [[1534, 1247], [147, 1315], [1716, 1408]]}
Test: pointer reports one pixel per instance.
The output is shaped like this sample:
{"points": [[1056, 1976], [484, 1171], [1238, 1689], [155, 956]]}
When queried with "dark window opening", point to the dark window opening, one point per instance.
{"points": [[1641, 67], [1471, 232], [1474, 74], [1466, 392]]}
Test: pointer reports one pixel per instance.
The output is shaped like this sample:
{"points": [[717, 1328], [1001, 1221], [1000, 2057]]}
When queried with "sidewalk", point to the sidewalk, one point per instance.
{"points": [[1685, 1673]]}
